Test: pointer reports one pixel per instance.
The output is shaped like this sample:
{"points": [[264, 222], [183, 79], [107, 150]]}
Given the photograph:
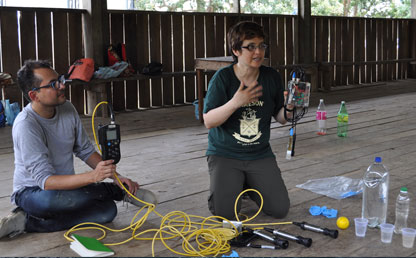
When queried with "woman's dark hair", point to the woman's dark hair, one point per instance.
{"points": [[26, 79], [241, 31]]}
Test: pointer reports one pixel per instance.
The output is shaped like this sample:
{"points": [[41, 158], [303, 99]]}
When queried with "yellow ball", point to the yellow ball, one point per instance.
{"points": [[343, 223]]}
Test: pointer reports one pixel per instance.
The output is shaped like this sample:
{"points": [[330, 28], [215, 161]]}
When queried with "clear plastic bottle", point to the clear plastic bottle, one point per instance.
{"points": [[375, 193], [321, 118], [342, 120], [7, 111], [402, 210]]}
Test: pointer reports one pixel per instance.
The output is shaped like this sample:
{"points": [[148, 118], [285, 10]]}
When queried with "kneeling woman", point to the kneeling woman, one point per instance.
{"points": [[240, 102]]}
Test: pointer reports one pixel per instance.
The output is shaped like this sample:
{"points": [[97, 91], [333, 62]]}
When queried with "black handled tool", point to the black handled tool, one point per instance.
{"points": [[305, 226], [298, 239], [243, 239], [278, 242]]}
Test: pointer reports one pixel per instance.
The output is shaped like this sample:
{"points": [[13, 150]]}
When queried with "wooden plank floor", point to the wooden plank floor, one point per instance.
{"points": [[164, 149]]}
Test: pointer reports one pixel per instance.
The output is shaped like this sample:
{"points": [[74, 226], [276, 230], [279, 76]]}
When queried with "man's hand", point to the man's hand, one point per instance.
{"points": [[247, 94], [103, 170], [132, 186]]}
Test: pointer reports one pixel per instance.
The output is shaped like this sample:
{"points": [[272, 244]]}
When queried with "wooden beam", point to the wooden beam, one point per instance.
{"points": [[305, 50], [96, 39], [96, 30], [412, 48]]}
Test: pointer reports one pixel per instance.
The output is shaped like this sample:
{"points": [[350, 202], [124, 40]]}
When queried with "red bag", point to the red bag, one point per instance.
{"points": [[82, 69], [116, 54]]}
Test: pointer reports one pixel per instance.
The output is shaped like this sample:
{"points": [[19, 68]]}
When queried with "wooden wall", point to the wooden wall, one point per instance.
{"points": [[348, 51], [362, 50], [51, 34], [175, 40]]}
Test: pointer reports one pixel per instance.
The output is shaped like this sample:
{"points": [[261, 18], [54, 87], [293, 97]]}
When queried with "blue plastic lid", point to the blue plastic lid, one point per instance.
{"points": [[232, 254], [315, 210], [377, 159]]}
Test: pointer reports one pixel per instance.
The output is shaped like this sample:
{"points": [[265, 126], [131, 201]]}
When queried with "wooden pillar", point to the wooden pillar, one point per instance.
{"points": [[96, 39], [412, 46], [412, 40], [304, 51], [304, 32]]}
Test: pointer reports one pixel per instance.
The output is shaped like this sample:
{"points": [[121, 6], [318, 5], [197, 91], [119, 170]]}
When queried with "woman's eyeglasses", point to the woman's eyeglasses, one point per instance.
{"points": [[252, 47], [55, 84]]}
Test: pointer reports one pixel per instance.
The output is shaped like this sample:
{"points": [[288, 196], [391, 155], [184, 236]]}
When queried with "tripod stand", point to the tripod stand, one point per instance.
{"points": [[297, 97]]}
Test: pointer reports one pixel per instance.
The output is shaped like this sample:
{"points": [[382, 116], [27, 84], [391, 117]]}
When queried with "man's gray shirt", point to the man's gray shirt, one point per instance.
{"points": [[45, 147]]}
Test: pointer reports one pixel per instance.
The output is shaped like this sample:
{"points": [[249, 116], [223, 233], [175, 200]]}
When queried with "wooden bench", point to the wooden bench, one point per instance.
{"points": [[96, 91], [326, 68], [3, 85]]}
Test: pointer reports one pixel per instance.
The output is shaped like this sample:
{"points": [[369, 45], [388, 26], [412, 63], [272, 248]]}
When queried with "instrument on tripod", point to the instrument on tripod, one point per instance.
{"points": [[297, 96]]}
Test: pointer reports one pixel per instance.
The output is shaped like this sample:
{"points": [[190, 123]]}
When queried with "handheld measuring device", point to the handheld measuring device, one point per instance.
{"points": [[109, 139]]}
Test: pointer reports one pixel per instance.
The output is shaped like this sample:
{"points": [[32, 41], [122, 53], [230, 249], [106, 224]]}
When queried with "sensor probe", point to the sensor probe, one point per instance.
{"points": [[278, 242], [305, 226], [298, 239]]}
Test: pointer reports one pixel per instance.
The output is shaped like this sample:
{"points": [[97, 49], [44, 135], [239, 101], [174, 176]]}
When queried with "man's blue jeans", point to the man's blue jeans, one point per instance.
{"points": [[50, 210]]}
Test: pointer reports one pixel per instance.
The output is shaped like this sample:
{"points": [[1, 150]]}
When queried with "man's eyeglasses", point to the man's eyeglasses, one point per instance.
{"points": [[252, 47], [55, 84]]}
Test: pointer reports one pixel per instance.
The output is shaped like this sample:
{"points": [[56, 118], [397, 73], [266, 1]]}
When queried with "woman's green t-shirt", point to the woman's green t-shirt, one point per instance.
{"points": [[246, 133]]}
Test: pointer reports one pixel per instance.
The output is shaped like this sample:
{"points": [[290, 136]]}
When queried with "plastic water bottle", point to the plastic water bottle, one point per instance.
{"points": [[402, 210], [375, 193], [321, 118], [8, 112], [342, 120]]}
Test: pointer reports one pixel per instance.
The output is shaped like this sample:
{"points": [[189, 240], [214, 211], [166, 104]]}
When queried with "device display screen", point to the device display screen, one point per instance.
{"points": [[111, 135]]}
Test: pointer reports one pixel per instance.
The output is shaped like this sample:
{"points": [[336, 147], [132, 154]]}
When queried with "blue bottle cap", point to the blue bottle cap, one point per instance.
{"points": [[315, 210], [377, 159]]}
